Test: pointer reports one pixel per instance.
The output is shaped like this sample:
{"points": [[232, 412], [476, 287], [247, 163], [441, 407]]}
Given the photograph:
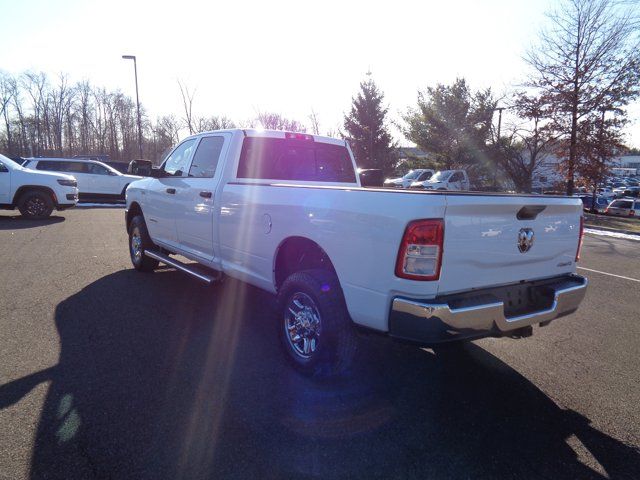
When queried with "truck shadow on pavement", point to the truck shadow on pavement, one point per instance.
{"points": [[16, 222], [160, 377]]}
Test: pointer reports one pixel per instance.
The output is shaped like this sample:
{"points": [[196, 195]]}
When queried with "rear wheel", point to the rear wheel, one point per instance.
{"points": [[35, 205], [139, 242], [315, 329]]}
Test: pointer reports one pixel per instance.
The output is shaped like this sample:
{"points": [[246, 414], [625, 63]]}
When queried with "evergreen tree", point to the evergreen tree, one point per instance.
{"points": [[367, 130], [453, 124]]}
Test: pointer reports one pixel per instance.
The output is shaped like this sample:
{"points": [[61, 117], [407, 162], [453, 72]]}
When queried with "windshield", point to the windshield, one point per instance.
{"points": [[441, 176], [411, 175]]}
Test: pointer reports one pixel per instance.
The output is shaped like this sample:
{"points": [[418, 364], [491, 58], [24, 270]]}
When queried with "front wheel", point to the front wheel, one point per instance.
{"points": [[35, 205], [316, 331], [139, 242]]}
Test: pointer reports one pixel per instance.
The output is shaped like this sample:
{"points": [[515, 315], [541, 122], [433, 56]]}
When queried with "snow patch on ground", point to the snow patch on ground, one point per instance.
{"points": [[607, 233], [101, 205]]}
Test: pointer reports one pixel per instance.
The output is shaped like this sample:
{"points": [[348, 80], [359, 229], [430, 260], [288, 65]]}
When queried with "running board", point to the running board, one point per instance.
{"points": [[203, 277]]}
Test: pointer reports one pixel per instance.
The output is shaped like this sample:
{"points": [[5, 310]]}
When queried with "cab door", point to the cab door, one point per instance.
{"points": [[195, 198], [159, 205], [103, 180], [456, 181]]}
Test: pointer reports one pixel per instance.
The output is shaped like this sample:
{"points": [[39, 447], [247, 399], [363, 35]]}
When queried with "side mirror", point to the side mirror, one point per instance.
{"points": [[156, 173], [371, 177]]}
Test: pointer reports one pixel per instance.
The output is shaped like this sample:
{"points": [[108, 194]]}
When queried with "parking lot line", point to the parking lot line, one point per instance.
{"points": [[610, 274]]}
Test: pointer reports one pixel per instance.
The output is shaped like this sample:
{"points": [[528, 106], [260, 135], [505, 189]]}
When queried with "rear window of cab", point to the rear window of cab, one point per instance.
{"points": [[293, 159]]}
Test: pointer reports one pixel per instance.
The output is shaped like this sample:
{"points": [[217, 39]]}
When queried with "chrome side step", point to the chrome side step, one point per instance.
{"points": [[203, 277]]}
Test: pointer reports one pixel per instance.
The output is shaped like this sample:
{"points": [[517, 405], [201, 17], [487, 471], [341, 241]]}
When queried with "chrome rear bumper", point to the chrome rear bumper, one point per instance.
{"points": [[484, 313]]}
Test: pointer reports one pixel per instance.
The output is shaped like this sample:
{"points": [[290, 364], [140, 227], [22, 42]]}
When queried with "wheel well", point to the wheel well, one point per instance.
{"points": [[124, 190], [26, 188], [134, 211], [296, 254]]}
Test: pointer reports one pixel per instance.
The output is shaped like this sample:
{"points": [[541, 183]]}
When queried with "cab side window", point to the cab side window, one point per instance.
{"points": [[3, 168], [205, 160], [424, 176], [176, 164], [456, 177], [97, 169]]}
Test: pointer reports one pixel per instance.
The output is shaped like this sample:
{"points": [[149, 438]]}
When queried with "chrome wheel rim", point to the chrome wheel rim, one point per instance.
{"points": [[35, 206], [302, 324], [136, 245]]}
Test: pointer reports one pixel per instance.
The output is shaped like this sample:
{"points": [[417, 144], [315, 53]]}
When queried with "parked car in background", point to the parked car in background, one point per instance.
{"points": [[35, 194], [417, 175], [96, 181], [606, 192], [631, 191], [601, 203], [445, 180], [618, 192], [623, 207]]}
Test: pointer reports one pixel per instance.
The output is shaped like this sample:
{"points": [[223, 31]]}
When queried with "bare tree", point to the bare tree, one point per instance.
{"points": [[315, 124], [275, 121], [187, 102], [205, 124], [529, 143], [7, 90], [588, 58]]}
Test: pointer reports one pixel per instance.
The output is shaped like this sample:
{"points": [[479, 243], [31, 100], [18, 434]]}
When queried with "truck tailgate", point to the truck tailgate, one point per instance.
{"points": [[482, 235]]}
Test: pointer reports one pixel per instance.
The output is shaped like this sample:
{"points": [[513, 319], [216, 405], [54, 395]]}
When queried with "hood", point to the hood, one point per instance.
{"points": [[51, 175], [132, 177], [393, 180]]}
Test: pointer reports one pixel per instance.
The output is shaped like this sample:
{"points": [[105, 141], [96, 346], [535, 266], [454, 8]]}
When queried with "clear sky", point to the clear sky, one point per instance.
{"points": [[284, 56]]}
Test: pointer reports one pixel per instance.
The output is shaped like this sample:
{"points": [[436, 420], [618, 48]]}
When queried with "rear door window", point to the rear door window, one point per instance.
{"points": [[292, 159], [205, 160]]}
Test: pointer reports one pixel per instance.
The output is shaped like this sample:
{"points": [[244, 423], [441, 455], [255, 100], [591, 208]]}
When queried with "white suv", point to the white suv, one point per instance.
{"points": [[96, 180], [35, 194]]}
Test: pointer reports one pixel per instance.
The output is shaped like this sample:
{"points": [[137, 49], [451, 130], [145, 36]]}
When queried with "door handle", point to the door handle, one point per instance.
{"points": [[205, 194], [172, 191]]}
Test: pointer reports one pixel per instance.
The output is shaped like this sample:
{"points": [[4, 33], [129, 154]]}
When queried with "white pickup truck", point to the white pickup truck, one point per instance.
{"points": [[34, 193], [285, 212]]}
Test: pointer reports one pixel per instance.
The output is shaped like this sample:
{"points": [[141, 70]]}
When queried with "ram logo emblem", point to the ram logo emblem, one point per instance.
{"points": [[525, 239]]}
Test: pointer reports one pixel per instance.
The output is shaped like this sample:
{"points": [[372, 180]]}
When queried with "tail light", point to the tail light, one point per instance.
{"points": [[580, 239], [632, 213], [420, 254], [298, 136]]}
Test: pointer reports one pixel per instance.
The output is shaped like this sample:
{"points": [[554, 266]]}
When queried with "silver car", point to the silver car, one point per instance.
{"points": [[623, 207]]}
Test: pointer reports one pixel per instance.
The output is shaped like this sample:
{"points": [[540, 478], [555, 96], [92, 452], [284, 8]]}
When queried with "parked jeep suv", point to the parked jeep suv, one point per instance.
{"points": [[34, 193], [96, 180]]}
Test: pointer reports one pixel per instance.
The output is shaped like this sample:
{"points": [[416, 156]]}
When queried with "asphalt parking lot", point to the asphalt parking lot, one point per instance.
{"points": [[110, 373]]}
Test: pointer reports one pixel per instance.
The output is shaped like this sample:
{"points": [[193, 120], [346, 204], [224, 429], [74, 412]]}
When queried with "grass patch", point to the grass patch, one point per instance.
{"points": [[613, 223]]}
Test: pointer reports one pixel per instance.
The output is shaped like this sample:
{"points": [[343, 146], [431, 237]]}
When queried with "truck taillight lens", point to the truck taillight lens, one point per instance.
{"points": [[420, 254], [580, 239]]}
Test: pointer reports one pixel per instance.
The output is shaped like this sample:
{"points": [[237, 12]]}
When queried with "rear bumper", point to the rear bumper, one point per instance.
{"points": [[485, 313]]}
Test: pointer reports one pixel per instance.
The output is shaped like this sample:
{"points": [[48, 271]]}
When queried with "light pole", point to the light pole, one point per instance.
{"points": [[135, 71], [495, 166]]}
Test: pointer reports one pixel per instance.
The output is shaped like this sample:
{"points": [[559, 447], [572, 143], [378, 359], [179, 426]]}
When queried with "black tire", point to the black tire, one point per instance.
{"points": [[138, 230], [336, 342], [35, 205]]}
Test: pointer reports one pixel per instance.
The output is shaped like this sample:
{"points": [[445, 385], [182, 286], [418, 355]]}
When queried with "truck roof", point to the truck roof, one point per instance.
{"points": [[258, 132]]}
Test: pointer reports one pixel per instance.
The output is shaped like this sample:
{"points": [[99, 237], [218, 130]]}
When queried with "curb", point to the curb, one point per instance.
{"points": [[609, 229]]}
